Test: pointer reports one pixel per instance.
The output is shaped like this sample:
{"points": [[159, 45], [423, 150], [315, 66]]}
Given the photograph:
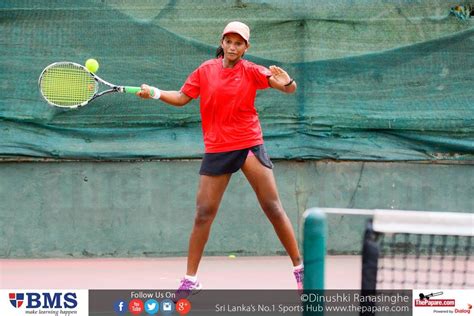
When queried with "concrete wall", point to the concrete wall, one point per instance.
{"points": [[134, 209]]}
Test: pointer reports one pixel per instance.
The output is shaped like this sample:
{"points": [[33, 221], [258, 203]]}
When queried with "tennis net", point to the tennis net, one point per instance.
{"points": [[407, 249]]}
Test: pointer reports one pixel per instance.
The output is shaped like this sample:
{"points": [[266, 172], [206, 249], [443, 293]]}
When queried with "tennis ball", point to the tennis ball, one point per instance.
{"points": [[232, 256], [92, 65]]}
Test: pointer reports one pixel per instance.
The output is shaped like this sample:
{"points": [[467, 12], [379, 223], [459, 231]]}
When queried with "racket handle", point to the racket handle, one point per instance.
{"points": [[134, 90], [131, 89]]}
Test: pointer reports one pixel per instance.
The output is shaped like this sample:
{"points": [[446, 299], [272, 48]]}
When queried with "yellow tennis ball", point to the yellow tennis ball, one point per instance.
{"points": [[92, 65], [232, 256]]}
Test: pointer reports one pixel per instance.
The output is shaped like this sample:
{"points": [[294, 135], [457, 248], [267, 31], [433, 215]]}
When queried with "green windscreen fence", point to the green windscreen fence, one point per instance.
{"points": [[377, 80]]}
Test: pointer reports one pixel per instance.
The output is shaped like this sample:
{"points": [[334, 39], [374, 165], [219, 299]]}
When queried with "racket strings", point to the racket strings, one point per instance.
{"points": [[67, 85]]}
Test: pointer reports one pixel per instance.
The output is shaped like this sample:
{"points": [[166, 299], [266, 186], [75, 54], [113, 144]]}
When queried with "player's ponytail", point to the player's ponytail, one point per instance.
{"points": [[220, 52]]}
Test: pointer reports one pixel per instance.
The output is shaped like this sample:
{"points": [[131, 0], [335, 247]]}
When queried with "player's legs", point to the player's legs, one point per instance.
{"points": [[263, 183], [209, 195]]}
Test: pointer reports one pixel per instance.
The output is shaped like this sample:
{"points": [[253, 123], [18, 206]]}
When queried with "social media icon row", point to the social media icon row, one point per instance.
{"points": [[151, 306]]}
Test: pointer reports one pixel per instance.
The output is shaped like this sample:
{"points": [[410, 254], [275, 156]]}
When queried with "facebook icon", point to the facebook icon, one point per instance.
{"points": [[120, 307]]}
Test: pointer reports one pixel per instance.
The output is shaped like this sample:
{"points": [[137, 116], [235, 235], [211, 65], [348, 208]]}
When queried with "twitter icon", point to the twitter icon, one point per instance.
{"points": [[152, 307]]}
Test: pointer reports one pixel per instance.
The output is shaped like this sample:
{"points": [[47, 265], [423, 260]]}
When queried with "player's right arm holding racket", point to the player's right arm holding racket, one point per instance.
{"points": [[176, 98]]}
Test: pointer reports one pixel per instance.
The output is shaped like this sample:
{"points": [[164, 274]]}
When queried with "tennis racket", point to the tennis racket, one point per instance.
{"points": [[70, 85]]}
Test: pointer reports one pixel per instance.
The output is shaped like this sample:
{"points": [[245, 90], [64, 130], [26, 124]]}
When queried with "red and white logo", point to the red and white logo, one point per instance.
{"points": [[136, 306], [183, 306], [433, 302], [427, 301]]}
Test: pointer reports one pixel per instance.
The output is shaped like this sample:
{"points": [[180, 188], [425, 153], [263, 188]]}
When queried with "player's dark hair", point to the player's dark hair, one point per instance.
{"points": [[220, 52]]}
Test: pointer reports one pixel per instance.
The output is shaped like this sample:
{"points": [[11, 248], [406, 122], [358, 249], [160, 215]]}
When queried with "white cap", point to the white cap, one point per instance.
{"points": [[238, 28]]}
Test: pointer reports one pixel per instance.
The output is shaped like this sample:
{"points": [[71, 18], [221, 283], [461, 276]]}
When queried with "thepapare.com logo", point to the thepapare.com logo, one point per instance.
{"points": [[58, 303]]}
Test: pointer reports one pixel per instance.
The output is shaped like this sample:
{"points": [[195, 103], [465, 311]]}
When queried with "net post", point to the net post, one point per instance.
{"points": [[370, 257], [314, 248]]}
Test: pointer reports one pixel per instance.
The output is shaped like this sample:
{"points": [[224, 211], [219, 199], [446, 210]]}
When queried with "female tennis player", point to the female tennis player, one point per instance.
{"points": [[233, 140]]}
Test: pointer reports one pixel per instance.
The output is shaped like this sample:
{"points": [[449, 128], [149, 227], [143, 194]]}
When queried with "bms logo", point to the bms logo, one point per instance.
{"points": [[44, 300], [16, 299]]}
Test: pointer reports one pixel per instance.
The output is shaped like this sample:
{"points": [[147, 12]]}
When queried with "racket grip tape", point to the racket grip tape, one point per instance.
{"points": [[134, 90], [131, 89]]}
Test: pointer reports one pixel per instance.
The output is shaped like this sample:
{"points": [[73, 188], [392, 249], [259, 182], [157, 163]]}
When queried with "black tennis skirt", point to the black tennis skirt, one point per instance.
{"points": [[214, 164]]}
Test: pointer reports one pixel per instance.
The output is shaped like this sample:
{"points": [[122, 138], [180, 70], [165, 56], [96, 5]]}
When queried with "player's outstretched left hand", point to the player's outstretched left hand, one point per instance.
{"points": [[280, 75]]}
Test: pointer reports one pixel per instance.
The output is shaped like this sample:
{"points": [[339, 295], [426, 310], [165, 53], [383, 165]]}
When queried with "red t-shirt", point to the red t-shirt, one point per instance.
{"points": [[229, 118]]}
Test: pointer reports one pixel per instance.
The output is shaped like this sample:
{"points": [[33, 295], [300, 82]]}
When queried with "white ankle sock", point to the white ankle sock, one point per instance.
{"points": [[297, 267], [191, 278]]}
